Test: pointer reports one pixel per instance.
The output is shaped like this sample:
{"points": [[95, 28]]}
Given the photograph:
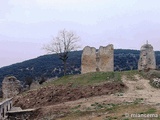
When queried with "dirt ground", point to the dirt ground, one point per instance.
{"points": [[52, 95], [60, 103], [140, 88]]}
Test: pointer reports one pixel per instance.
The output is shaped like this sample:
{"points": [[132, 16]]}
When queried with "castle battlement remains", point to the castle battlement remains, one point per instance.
{"points": [[102, 60]]}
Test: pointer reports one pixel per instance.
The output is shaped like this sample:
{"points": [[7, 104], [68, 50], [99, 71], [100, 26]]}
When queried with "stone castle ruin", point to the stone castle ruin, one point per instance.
{"points": [[93, 61], [10, 87], [147, 59]]}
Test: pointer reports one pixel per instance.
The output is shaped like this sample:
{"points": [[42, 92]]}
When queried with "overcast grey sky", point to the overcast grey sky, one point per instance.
{"points": [[26, 25]]}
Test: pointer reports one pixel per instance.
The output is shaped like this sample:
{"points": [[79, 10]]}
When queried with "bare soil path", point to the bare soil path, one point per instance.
{"points": [[140, 88]]}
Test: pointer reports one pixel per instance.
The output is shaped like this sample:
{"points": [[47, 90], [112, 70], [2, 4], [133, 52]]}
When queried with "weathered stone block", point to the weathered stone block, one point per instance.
{"points": [[147, 59], [106, 59], [88, 60]]}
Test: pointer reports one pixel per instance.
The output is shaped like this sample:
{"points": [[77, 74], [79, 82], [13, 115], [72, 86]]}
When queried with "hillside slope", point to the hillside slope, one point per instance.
{"points": [[70, 88], [97, 96]]}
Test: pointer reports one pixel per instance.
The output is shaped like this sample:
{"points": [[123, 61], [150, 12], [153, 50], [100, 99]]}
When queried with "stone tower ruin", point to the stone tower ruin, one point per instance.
{"points": [[10, 87], [147, 59], [93, 61]]}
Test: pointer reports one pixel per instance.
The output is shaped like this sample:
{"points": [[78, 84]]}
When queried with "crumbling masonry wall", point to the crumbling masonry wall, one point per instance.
{"points": [[93, 61], [89, 63], [147, 59], [10, 87]]}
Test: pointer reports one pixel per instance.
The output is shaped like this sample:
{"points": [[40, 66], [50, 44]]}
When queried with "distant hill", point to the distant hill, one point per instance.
{"points": [[50, 66]]}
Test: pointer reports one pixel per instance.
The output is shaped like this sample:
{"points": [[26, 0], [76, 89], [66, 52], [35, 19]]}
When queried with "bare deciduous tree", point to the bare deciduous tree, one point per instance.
{"points": [[65, 42]]}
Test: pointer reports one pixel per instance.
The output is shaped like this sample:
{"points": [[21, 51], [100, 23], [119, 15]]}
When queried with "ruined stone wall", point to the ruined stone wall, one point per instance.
{"points": [[10, 87], [106, 57], [93, 61], [88, 60], [147, 59]]}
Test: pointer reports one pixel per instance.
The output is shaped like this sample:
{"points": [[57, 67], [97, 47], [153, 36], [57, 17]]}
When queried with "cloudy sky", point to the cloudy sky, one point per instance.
{"points": [[26, 25]]}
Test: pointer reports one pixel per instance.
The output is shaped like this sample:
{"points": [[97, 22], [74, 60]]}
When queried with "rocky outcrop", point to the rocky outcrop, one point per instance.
{"points": [[147, 59], [93, 61], [10, 87]]}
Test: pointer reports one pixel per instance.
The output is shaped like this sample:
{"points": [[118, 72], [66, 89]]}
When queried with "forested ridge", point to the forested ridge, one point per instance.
{"points": [[50, 66]]}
